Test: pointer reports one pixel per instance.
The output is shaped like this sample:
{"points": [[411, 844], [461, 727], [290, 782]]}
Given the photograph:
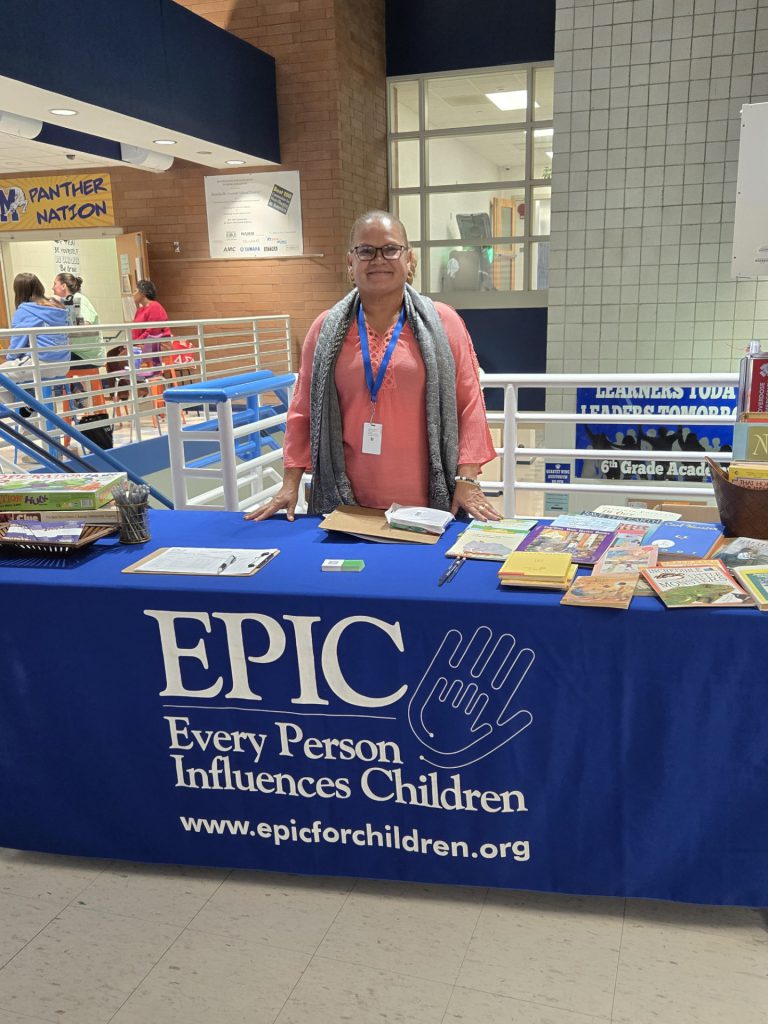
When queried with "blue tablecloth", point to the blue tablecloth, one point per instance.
{"points": [[374, 724]]}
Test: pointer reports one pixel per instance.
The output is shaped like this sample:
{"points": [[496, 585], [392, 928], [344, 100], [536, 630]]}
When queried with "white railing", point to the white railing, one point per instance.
{"points": [[512, 454], [128, 389]]}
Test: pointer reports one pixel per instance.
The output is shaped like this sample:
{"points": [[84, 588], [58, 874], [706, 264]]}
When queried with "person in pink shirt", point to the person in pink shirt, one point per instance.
{"points": [[388, 405]]}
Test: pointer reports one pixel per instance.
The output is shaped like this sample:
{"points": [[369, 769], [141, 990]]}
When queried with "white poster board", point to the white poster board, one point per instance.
{"points": [[750, 230], [254, 216], [66, 256]]}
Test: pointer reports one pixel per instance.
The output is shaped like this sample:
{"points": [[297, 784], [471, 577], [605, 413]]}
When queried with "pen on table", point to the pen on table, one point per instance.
{"points": [[225, 564], [451, 571]]}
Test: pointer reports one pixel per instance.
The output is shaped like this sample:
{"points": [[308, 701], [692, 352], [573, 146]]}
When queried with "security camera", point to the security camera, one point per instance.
{"points": [[71, 156]]}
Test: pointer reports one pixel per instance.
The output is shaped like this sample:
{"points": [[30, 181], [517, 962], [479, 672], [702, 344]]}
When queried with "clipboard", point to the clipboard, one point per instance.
{"points": [[371, 524], [218, 562]]}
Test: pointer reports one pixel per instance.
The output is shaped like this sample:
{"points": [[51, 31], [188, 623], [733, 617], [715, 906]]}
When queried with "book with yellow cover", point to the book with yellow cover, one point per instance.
{"points": [[537, 569], [754, 579], [602, 591], [748, 471]]}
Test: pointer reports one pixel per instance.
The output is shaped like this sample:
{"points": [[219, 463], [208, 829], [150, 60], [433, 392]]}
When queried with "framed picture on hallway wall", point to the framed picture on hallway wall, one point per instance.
{"points": [[254, 216]]}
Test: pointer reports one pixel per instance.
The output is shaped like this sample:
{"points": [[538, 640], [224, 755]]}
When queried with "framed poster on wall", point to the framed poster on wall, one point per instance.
{"points": [[254, 216]]}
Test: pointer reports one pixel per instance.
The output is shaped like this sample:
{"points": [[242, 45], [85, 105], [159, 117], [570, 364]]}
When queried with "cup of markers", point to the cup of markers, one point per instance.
{"points": [[132, 502]]}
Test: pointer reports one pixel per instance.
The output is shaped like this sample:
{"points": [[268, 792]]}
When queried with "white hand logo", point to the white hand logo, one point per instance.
{"points": [[461, 709]]}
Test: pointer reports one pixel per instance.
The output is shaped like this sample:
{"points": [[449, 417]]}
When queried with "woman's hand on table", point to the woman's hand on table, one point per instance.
{"points": [[469, 497], [286, 498]]}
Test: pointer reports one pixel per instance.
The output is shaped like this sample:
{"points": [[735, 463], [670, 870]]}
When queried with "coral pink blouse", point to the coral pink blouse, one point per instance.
{"points": [[401, 472]]}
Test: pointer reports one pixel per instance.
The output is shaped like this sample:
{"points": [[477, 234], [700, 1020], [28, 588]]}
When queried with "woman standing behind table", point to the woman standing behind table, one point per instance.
{"points": [[88, 350], [388, 405], [148, 340], [33, 309]]}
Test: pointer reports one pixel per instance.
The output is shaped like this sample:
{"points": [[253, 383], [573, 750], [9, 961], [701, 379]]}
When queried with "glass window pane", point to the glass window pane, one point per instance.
{"points": [[408, 209], [404, 107], [463, 101], [466, 159], [473, 215], [417, 274], [539, 265], [543, 92], [543, 139], [542, 211], [479, 268], [405, 164]]}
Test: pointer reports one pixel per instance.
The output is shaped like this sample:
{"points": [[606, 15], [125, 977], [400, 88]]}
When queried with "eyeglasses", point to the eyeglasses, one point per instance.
{"points": [[368, 252]]}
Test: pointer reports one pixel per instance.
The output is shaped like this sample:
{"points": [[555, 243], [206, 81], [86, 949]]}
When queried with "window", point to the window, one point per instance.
{"points": [[470, 163]]}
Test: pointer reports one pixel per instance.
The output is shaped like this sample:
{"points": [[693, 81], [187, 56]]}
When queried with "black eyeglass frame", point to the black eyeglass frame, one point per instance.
{"points": [[379, 249]]}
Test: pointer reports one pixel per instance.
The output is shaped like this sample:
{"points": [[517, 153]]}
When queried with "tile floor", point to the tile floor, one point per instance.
{"points": [[91, 942]]}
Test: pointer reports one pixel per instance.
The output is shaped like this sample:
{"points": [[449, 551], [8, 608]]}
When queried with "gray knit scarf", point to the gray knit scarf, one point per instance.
{"points": [[330, 483]]}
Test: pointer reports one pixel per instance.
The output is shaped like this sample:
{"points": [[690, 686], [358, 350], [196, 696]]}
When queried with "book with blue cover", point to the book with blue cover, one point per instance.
{"points": [[684, 539]]}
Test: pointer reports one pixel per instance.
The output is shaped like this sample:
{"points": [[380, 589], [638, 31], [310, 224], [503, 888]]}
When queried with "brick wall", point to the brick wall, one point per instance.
{"points": [[331, 103]]}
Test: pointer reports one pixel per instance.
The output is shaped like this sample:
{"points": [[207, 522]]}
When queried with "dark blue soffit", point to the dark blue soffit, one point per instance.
{"points": [[510, 341], [424, 37], [152, 60]]}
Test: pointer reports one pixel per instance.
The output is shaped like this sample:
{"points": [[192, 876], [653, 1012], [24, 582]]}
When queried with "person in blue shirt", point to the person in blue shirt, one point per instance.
{"points": [[33, 309]]}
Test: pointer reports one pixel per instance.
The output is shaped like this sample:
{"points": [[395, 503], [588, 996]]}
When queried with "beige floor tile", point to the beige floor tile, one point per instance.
{"points": [[560, 951], [287, 911], [333, 991], [153, 892], [21, 918], [19, 1018], [470, 1007], [692, 965], [205, 978], [47, 874], [82, 966], [421, 931]]}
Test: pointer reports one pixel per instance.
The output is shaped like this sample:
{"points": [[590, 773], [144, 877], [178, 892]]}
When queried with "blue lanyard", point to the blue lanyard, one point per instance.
{"points": [[373, 386]]}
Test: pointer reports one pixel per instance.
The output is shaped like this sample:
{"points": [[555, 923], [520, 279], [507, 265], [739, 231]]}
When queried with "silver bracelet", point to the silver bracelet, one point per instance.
{"points": [[465, 480]]}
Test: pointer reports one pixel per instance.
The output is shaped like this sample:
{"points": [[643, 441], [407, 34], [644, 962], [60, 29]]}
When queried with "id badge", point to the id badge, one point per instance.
{"points": [[372, 438]]}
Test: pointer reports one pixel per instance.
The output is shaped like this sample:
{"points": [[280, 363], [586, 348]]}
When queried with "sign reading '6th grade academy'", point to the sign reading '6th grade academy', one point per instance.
{"points": [[77, 200]]}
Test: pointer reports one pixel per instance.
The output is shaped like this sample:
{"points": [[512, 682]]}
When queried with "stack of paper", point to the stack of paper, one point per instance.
{"points": [[417, 518], [552, 571]]}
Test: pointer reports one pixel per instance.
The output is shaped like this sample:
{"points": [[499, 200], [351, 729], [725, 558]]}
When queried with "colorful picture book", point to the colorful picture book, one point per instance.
{"points": [[605, 591], [550, 570], [56, 491], [739, 552], [622, 561], [491, 541], [703, 583], [754, 579], [683, 540], [629, 513], [585, 546]]}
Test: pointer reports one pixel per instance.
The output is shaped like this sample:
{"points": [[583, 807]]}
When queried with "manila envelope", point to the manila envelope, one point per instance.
{"points": [[371, 524]]}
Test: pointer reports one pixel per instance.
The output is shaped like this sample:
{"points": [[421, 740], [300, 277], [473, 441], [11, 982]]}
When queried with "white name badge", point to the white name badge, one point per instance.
{"points": [[372, 438]]}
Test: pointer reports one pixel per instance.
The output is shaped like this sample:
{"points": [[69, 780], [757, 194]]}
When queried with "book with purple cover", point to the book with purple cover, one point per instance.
{"points": [[584, 546]]}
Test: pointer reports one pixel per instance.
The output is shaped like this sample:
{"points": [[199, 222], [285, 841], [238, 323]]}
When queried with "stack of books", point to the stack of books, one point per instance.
{"points": [[753, 475], [548, 570], [47, 497]]}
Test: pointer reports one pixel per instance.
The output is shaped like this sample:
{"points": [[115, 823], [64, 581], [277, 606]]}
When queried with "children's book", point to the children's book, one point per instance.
{"points": [[584, 546], [684, 539], [491, 541], [58, 491], [696, 584], [630, 513], [620, 561], [602, 591], [537, 569], [739, 552], [754, 579]]}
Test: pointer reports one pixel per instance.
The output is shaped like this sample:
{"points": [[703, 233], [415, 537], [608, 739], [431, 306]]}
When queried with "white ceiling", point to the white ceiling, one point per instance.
{"points": [[18, 155]]}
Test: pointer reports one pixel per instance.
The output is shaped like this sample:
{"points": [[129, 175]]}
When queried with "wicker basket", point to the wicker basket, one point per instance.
{"points": [[744, 512]]}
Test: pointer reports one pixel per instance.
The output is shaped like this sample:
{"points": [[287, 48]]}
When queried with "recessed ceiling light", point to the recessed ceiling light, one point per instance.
{"points": [[235, 163], [62, 111], [164, 142]]}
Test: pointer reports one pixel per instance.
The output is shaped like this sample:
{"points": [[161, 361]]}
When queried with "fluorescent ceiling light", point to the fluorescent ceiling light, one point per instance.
{"points": [[163, 142], [515, 100], [539, 133], [62, 112], [235, 163], [549, 153]]}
